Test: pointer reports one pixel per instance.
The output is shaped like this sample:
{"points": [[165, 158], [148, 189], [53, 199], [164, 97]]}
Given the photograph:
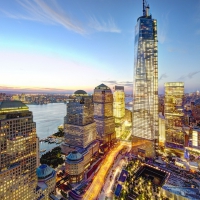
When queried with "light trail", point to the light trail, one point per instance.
{"points": [[99, 179]]}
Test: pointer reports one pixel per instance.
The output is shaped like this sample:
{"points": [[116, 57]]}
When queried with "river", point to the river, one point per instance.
{"points": [[48, 117]]}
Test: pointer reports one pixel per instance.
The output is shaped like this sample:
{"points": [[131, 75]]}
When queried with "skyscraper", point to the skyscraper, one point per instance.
{"points": [[174, 93], [19, 151], [19, 159], [103, 114], [80, 144], [79, 124], [145, 105], [119, 110]]}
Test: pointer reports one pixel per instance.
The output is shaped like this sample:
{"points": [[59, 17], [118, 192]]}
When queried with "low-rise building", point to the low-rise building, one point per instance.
{"points": [[46, 182]]}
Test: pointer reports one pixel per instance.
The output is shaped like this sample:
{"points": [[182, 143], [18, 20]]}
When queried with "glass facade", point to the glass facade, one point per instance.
{"points": [[119, 104], [119, 110], [174, 93], [80, 110], [79, 124], [145, 104]]}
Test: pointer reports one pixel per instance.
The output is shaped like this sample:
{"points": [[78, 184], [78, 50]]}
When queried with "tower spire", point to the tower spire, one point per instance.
{"points": [[145, 8], [144, 13]]}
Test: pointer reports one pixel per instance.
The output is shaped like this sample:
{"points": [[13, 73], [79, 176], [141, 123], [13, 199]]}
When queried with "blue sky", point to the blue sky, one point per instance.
{"points": [[65, 45]]}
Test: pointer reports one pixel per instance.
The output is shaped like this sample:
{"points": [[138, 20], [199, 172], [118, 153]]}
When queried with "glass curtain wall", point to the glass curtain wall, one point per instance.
{"points": [[174, 93], [145, 106]]}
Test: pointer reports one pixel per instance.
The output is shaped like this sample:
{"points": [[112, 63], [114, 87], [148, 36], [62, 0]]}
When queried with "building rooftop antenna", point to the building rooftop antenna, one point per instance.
{"points": [[145, 8]]}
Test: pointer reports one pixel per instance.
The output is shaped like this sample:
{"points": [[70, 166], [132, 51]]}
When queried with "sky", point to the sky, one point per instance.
{"points": [[66, 45]]}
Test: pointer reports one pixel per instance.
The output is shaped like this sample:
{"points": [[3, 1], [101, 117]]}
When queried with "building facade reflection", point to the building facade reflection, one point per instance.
{"points": [[145, 105]]}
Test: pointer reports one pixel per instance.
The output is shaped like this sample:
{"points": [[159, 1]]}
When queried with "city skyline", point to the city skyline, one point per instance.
{"points": [[43, 46]]}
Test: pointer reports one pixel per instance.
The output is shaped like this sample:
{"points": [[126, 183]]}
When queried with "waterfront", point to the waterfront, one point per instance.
{"points": [[48, 117]]}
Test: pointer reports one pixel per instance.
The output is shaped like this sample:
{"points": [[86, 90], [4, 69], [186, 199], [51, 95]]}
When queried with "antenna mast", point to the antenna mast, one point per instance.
{"points": [[145, 8], [144, 12]]}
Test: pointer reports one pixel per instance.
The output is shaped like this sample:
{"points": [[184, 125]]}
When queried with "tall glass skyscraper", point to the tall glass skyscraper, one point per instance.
{"points": [[145, 106]]}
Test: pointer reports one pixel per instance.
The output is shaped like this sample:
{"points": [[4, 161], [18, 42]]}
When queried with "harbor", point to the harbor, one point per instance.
{"points": [[51, 140], [48, 118]]}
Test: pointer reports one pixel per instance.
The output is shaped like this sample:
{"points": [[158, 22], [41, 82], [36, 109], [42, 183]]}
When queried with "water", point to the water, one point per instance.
{"points": [[129, 103], [48, 117]]}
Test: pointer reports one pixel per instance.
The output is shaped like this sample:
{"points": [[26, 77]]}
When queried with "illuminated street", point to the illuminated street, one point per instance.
{"points": [[110, 182], [99, 179]]}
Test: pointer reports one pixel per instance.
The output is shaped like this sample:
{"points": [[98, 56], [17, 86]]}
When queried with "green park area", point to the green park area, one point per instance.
{"points": [[52, 158], [60, 132]]}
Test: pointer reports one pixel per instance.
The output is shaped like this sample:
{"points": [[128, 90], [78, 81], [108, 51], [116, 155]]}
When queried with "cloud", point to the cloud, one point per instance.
{"points": [[111, 82], [189, 75], [121, 83], [183, 77], [163, 76], [103, 26], [14, 89], [51, 12]]}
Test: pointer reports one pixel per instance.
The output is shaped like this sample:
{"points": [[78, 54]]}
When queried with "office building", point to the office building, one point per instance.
{"points": [[80, 146], [119, 110], [195, 108], [174, 93], [103, 114], [145, 93], [19, 151], [79, 124], [19, 155]]}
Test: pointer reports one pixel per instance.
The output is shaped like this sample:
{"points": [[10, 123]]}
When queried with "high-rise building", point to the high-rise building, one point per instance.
{"points": [[19, 156], [119, 110], [103, 114], [19, 151], [79, 124], [145, 94], [80, 144], [174, 93]]}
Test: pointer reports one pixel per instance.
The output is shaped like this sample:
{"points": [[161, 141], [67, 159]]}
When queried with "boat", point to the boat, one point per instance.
{"points": [[58, 141], [46, 140], [51, 140], [42, 150]]}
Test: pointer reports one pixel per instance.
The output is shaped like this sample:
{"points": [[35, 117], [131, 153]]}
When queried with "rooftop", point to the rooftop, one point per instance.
{"points": [[197, 102], [12, 106], [190, 193], [80, 93], [123, 176], [102, 87], [44, 171], [74, 156]]}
